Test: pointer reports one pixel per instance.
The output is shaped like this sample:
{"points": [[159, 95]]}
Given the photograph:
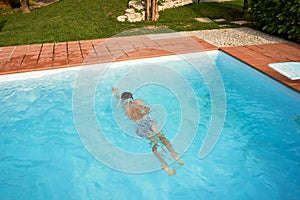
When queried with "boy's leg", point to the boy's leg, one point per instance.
{"points": [[154, 150], [164, 165], [166, 142]]}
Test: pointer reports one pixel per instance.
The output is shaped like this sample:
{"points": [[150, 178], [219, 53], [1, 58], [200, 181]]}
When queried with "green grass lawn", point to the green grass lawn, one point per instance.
{"points": [[69, 20]]}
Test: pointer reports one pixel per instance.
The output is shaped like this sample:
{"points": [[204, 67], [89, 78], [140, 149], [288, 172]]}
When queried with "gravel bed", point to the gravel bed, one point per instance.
{"points": [[226, 37]]}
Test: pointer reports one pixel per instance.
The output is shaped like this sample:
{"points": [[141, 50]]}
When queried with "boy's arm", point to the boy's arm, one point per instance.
{"points": [[115, 92]]}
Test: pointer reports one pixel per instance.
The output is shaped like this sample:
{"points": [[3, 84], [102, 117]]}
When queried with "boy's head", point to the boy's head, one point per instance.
{"points": [[126, 95]]}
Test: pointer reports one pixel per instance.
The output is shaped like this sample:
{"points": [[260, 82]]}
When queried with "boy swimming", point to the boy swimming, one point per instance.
{"points": [[146, 127]]}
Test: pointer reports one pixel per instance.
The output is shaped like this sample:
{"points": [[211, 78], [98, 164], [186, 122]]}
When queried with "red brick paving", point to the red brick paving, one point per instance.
{"points": [[15, 59], [259, 56]]}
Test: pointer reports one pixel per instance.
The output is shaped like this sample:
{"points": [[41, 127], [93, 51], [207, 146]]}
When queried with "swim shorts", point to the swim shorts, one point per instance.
{"points": [[145, 127]]}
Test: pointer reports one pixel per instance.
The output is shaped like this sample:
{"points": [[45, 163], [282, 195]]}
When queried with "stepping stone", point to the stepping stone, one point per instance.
{"points": [[122, 18], [240, 22], [220, 20], [223, 25], [204, 20]]}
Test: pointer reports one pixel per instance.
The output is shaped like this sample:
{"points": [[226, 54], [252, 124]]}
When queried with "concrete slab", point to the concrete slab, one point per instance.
{"points": [[204, 20], [240, 22], [219, 20]]}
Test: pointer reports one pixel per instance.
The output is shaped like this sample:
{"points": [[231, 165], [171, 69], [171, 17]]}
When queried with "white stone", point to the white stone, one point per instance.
{"points": [[134, 17], [204, 20], [130, 11], [160, 8], [168, 5], [135, 5], [122, 18], [240, 22], [220, 20], [143, 15], [185, 2], [131, 3], [223, 25]]}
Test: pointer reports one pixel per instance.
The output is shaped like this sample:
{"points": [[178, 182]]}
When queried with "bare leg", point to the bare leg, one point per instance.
{"points": [[164, 165], [166, 142]]}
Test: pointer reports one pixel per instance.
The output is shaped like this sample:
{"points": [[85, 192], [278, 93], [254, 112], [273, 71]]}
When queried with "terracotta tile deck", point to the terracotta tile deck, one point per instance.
{"points": [[15, 59], [259, 56]]}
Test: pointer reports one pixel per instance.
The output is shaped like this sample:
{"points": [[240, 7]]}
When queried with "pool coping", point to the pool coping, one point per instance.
{"points": [[26, 58]]}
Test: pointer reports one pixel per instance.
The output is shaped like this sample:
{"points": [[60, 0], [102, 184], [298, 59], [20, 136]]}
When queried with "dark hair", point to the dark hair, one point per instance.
{"points": [[126, 95]]}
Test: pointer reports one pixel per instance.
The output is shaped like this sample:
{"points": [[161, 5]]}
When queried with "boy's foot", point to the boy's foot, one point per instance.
{"points": [[178, 160], [170, 171]]}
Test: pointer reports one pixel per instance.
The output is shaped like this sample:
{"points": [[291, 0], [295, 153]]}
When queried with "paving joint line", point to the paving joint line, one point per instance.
{"points": [[39, 56]]}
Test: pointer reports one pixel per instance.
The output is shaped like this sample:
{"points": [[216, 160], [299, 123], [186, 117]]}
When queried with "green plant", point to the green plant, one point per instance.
{"points": [[279, 17], [5, 10], [32, 3], [15, 3]]}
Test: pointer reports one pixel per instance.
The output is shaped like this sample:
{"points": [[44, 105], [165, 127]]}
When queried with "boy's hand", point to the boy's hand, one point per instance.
{"points": [[114, 89]]}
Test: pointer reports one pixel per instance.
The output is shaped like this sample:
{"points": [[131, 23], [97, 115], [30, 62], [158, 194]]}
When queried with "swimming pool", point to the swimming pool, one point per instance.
{"points": [[256, 155]]}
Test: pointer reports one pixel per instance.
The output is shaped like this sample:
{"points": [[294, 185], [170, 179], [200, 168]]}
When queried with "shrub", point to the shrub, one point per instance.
{"points": [[278, 17], [16, 3], [5, 10]]}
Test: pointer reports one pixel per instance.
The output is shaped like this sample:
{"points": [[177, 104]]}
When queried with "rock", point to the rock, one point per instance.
{"points": [[135, 5], [143, 15], [134, 17], [168, 4], [35, 7], [130, 11], [220, 20], [223, 25], [240, 22], [185, 2], [122, 18], [204, 20]]}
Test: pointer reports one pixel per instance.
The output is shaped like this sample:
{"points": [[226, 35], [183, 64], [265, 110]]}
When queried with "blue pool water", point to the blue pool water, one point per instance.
{"points": [[257, 155]]}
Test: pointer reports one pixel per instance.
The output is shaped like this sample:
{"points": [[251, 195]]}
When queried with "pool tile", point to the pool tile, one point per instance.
{"points": [[60, 61], [2, 62], [97, 42], [205, 45], [92, 59], [5, 55], [75, 61], [8, 49], [73, 46], [101, 48], [161, 52], [150, 44], [106, 58], [138, 45], [11, 66], [128, 48], [74, 56], [31, 57], [115, 54], [44, 62]]}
